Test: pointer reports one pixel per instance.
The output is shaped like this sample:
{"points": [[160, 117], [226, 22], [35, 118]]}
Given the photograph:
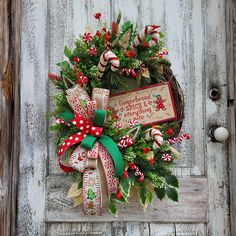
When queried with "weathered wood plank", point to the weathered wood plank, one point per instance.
{"points": [[192, 205], [185, 44], [75, 16], [162, 229], [190, 230], [216, 114], [74, 229], [129, 228], [9, 107], [33, 146]]}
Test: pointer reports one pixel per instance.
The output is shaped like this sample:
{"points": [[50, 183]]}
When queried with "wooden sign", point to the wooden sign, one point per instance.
{"points": [[149, 105]]}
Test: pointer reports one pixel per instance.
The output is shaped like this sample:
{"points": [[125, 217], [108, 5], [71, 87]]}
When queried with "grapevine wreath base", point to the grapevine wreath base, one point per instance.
{"points": [[105, 153]]}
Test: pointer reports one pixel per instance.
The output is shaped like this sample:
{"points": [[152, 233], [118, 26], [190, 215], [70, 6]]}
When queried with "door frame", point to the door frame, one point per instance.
{"points": [[10, 109], [10, 45]]}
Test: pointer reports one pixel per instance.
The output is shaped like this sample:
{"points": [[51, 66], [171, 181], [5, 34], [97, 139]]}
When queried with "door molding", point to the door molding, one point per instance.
{"points": [[231, 75]]}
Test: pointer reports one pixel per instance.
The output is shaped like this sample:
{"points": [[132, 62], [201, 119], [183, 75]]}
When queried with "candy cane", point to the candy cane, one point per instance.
{"points": [[108, 56], [156, 135], [179, 139], [148, 30], [128, 72]]}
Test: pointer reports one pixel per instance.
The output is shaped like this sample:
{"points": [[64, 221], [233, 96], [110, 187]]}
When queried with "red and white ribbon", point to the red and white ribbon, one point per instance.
{"points": [[108, 56], [148, 30], [86, 162]]}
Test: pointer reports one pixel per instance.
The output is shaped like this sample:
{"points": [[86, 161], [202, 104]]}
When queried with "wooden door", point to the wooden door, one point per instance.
{"points": [[195, 36]]}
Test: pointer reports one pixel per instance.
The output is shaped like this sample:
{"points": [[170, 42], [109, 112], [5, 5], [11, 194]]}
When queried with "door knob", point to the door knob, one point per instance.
{"points": [[219, 134]]}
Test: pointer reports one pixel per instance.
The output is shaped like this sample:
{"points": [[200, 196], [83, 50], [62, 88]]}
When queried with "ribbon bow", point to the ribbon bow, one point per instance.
{"points": [[89, 132]]}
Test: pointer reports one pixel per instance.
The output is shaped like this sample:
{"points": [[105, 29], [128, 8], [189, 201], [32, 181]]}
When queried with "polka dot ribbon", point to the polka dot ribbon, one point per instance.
{"points": [[85, 127]]}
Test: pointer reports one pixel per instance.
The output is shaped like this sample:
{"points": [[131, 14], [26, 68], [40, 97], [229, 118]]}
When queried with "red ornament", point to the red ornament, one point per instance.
{"points": [[131, 166], [129, 53], [169, 132], [97, 15], [125, 174], [119, 195], [146, 149], [76, 59], [87, 37], [151, 161], [98, 33]]}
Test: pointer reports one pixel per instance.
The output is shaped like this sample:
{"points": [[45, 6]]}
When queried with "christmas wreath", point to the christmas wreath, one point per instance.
{"points": [[109, 140]]}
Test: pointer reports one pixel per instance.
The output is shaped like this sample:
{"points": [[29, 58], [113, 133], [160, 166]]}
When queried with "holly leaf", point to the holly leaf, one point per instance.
{"points": [[172, 193], [160, 192], [142, 196], [67, 52], [112, 208], [126, 26], [125, 186], [149, 197], [172, 180]]}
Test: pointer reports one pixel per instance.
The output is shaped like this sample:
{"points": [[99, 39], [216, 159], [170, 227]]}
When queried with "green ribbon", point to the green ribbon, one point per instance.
{"points": [[107, 142]]}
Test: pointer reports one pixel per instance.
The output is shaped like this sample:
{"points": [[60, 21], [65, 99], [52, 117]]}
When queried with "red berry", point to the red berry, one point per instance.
{"points": [[131, 166], [106, 37], [115, 117], [98, 33], [125, 174], [119, 195], [151, 161], [141, 180], [97, 15], [146, 149], [169, 131], [129, 53], [145, 44], [76, 59]]}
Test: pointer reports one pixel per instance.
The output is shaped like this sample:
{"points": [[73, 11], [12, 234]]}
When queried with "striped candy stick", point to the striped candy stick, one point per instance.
{"points": [[108, 56], [148, 30]]}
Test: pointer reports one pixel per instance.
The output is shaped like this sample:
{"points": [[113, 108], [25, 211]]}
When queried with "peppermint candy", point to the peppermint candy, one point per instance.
{"points": [[148, 30], [87, 37], [133, 122], [166, 157], [108, 56], [125, 142], [81, 79], [92, 51]]}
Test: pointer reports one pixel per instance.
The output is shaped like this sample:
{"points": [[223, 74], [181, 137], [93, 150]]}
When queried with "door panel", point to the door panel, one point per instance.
{"points": [[195, 37]]}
